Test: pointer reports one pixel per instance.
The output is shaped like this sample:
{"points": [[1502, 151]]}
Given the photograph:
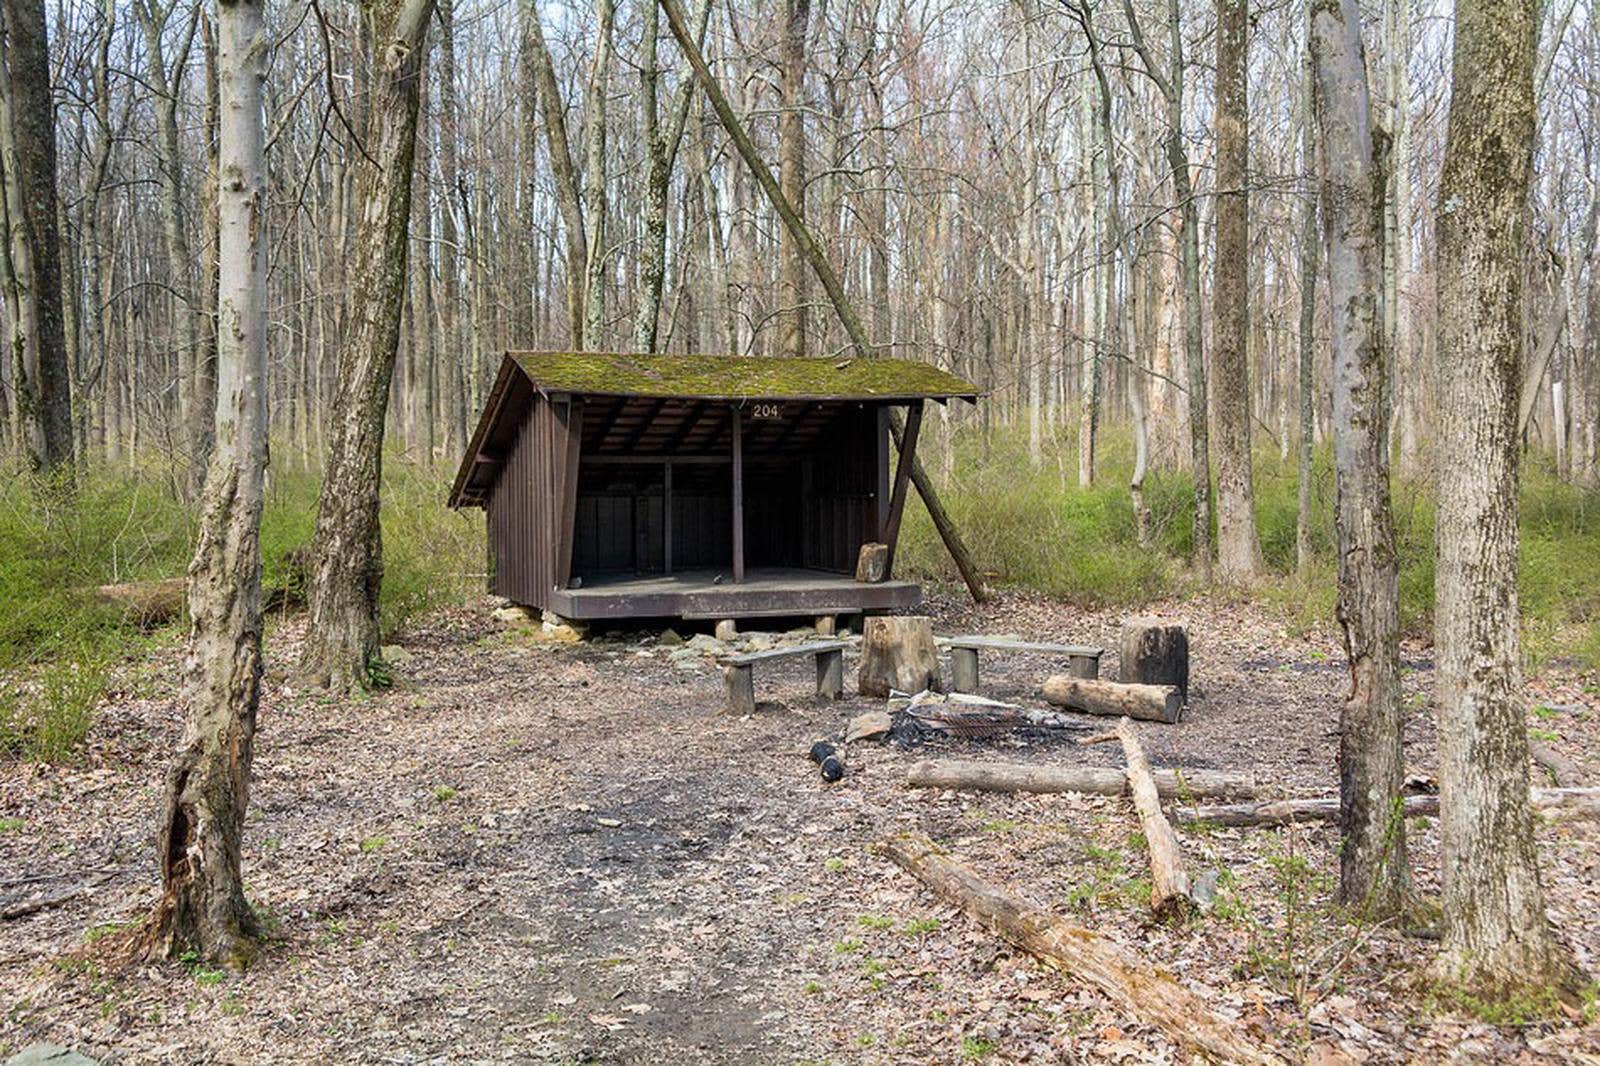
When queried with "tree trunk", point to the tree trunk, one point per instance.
{"points": [[792, 287], [569, 200], [1310, 258], [28, 162], [1496, 936], [1169, 885], [1238, 551], [203, 907], [595, 204], [347, 551], [1151, 703], [965, 774], [1373, 869]]}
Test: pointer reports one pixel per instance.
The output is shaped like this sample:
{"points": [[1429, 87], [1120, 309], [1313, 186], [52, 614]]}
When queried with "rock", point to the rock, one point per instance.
{"points": [[897, 652], [826, 624], [868, 726], [513, 615], [872, 565], [688, 665], [395, 655], [496, 602], [705, 643], [670, 638], [49, 1055], [559, 633], [727, 630]]}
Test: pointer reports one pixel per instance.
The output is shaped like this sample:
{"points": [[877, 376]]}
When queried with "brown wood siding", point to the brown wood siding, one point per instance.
{"points": [[523, 509]]}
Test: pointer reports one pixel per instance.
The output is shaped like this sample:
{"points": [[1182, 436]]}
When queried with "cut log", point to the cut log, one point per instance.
{"points": [[741, 689], [147, 604], [1556, 802], [966, 774], [1150, 703], [1155, 651], [1082, 954], [897, 652], [1170, 895], [872, 565]]}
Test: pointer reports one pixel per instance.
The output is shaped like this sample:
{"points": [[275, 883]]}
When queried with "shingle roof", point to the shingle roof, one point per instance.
{"points": [[732, 377]]}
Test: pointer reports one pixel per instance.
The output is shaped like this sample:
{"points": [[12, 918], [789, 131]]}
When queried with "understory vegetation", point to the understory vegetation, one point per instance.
{"points": [[1037, 529], [59, 640], [1028, 528]]}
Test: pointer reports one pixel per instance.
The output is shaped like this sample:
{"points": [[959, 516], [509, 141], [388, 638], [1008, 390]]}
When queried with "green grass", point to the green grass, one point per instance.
{"points": [[59, 644], [1036, 529]]}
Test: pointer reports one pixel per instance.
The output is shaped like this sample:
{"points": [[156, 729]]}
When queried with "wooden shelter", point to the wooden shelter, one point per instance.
{"points": [[694, 486]]}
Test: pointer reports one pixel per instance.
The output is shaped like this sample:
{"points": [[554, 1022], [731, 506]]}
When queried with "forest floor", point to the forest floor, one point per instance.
{"points": [[571, 853]]}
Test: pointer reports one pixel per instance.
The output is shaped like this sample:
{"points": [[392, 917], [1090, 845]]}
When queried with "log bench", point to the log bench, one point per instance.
{"points": [[738, 671], [1083, 661]]}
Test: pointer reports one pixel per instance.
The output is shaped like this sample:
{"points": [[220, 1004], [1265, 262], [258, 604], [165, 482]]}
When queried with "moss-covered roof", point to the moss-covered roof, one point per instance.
{"points": [[733, 377]]}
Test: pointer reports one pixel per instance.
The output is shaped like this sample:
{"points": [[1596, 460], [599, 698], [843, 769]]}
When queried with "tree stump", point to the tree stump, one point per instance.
{"points": [[897, 652], [872, 565], [1155, 652]]}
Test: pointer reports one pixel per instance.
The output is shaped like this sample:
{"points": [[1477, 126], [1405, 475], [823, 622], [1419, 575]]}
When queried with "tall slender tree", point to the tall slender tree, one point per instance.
{"points": [[793, 282], [347, 551], [203, 907], [1372, 855], [1238, 549], [32, 263], [1496, 935]]}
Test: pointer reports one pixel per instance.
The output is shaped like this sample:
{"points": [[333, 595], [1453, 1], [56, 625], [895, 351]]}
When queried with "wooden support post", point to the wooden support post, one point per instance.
{"points": [[741, 689], [826, 625], [902, 481], [569, 492], [964, 669], [738, 495], [830, 674], [666, 518]]}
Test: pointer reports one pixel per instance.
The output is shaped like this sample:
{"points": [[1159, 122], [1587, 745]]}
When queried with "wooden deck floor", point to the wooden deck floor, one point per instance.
{"points": [[765, 592]]}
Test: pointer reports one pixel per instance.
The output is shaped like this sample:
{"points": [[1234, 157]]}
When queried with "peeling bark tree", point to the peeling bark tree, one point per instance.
{"points": [[1372, 856], [347, 552], [1495, 933], [33, 256], [203, 907], [1238, 550]]}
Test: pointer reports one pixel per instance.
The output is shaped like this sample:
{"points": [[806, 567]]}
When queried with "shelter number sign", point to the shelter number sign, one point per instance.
{"points": [[766, 410]]}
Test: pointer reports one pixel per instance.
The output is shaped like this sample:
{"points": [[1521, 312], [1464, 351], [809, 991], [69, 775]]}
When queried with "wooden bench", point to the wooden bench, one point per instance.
{"points": [[737, 671], [1083, 661]]}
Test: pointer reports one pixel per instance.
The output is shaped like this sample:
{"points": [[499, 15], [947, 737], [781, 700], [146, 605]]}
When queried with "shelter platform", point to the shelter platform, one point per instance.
{"points": [[764, 592]]}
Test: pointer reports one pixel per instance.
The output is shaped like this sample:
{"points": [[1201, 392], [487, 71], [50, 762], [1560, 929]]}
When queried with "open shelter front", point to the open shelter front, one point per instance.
{"points": [[695, 486]]}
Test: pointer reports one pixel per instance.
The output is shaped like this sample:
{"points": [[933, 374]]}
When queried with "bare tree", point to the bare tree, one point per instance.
{"points": [[32, 264], [1495, 932], [1238, 550], [1177, 155], [347, 552], [1372, 855], [793, 288], [203, 907]]}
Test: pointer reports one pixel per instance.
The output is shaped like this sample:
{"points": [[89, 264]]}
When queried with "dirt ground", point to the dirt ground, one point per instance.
{"points": [[571, 853]]}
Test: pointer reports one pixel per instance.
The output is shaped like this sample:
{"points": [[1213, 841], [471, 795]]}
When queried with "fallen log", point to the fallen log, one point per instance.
{"points": [[969, 775], [1557, 802], [1150, 703], [1128, 980], [147, 604], [1170, 894]]}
